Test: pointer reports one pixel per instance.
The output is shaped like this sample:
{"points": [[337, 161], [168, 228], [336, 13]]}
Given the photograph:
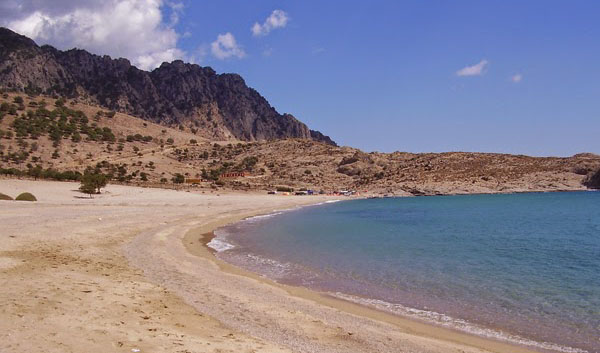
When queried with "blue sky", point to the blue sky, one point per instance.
{"points": [[384, 75]]}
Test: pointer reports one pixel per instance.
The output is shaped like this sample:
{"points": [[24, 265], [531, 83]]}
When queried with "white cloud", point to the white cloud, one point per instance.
{"points": [[474, 70], [226, 47], [277, 19], [134, 29], [516, 78]]}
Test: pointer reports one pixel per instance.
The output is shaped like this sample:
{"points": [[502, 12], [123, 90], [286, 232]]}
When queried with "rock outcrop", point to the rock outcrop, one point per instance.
{"points": [[175, 93], [593, 180]]}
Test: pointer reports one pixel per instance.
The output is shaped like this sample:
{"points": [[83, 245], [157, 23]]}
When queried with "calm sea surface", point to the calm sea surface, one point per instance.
{"points": [[523, 268]]}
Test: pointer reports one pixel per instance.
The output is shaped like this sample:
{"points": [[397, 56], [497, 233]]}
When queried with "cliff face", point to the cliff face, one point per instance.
{"points": [[174, 93], [593, 180]]}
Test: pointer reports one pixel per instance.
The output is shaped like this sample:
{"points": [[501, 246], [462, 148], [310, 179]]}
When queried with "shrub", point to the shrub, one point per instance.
{"points": [[248, 163], [26, 196], [178, 178], [284, 189], [5, 197]]}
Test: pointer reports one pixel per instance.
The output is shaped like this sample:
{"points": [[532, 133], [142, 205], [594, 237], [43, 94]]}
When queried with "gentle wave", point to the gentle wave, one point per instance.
{"points": [[264, 216], [328, 201], [457, 324], [220, 245], [275, 270]]}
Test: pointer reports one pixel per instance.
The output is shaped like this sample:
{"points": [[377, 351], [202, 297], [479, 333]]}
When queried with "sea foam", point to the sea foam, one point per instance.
{"points": [[453, 323]]}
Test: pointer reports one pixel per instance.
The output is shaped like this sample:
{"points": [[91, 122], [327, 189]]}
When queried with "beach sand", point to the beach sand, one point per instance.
{"points": [[128, 270]]}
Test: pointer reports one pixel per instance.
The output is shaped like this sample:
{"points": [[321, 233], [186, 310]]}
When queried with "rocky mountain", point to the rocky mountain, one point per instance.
{"points": [[174, 94]]}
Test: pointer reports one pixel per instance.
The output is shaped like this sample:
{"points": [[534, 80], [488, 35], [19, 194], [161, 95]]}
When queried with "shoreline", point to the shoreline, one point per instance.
{"points": [[126, 270], [196, 242]]}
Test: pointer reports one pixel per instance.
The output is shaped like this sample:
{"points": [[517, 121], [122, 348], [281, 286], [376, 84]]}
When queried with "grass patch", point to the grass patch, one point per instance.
{"points": [[26, 196], [5, 197]]}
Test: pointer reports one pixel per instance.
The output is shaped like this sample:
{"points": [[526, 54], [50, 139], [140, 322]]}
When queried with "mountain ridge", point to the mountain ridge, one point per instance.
{"points": [[177, 93]]}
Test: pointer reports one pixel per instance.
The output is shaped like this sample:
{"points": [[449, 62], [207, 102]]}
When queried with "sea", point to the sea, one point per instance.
{"points": [[521, 268]]}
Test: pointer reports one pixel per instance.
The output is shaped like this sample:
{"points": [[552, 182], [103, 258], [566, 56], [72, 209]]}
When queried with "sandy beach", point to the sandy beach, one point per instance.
{"points": [[128, 271]]}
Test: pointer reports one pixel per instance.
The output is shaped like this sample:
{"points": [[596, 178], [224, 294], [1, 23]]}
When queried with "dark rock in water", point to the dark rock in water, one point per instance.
{"points": [[174, 93]]}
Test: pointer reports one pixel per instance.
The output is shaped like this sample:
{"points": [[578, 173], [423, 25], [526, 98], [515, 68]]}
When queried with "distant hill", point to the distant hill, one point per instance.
{"points": [[41, 136], [220, 106]]}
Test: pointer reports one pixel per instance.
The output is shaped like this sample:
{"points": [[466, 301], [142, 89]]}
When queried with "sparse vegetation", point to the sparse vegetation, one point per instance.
{"points": [[53, 141], [178, 178]]}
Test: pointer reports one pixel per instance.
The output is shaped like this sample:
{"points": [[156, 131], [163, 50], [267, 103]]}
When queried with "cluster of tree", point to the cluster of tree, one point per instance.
{"points": [[38, 172], [59, 123], [119, 171]]}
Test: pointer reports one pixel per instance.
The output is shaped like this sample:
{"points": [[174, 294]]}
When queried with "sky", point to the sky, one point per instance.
{"points": [[506, 76]]}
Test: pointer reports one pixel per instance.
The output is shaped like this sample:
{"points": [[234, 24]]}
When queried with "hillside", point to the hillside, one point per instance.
{"points": [[219, 106], [67, 135]]}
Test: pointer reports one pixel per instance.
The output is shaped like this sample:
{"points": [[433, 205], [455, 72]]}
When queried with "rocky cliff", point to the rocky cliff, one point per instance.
{"points": [[593, 180], [174, 94]]}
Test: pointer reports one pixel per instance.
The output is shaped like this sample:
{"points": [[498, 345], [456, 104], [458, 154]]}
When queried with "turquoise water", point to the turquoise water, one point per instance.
{"points": [[523, 267]]}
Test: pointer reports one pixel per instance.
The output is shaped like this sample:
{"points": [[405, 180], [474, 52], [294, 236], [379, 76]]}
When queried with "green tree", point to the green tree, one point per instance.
{"points": [[92, 182]]}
